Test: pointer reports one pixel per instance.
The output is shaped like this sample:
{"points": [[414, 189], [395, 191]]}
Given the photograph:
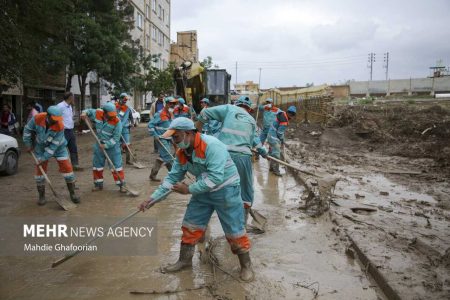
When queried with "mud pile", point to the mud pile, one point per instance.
{"points": [[402, 130]]}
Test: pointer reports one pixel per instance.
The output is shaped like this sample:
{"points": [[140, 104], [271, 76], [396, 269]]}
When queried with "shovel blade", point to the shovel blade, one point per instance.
{"points": [[65, 204], [138, 165], [259, 221], [131, 191]]}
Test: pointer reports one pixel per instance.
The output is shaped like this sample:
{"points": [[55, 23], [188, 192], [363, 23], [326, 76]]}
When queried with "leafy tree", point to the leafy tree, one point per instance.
{"points": [[207, 63], [97, 35], [30, 48]]}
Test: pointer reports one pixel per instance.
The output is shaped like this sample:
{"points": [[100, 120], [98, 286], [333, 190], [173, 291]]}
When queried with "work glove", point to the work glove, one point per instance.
{"points": [[146, 204], [264, 155]]}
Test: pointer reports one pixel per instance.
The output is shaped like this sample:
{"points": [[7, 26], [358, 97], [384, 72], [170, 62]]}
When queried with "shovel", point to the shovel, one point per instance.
{"points": [[132, 192], [65, 204], [259, 221], [136, 164]]}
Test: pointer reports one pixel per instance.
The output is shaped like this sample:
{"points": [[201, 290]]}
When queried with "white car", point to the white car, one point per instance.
{"points": [[136, 117], [145, 115], [9, 155]]}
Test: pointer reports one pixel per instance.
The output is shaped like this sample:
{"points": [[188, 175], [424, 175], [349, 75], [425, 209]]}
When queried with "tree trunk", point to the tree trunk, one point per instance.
{"points": [[82, 84]]}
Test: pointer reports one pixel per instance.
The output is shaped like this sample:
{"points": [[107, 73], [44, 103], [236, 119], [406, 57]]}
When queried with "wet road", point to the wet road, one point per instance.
{"points": [[296, 252]]}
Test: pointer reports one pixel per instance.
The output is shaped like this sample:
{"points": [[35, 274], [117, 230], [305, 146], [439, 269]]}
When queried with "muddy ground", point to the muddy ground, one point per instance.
{"points": [[297, 257], [392, 199], [392, 209]]}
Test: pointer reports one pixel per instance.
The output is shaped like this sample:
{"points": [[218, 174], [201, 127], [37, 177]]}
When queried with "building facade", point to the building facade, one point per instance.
{"points": [[185, 48], [152, 29]]}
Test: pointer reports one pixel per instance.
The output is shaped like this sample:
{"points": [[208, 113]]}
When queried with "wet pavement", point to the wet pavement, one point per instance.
{"points": [[294, 258]]}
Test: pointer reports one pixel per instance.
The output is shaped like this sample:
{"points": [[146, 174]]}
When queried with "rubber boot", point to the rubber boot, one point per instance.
{"points": [[41, 191], [97, 187], [123, 188], [247, 273], [71, 188], [155, 169], [185, 260], [276, 170], [128, 158], [271, 166]]}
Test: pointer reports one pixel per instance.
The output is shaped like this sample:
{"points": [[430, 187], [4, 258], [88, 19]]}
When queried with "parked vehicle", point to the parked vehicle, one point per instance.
{"points": [[136, 117], [145, 115], [9, 155]]}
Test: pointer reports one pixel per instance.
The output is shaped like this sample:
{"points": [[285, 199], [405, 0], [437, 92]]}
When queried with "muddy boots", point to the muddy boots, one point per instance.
{"points": [[71, 188], [98, 187], [123, 188], [41, 191], [275, 168], [185, 260], [155, 169], [247, 273]]}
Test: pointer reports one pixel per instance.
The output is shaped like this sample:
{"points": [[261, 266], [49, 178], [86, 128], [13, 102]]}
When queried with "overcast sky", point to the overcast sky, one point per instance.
{"points": [[320, 41]]}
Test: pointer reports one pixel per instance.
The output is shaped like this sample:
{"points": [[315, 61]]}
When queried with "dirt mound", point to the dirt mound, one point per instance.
{"points": [[401, 130]]}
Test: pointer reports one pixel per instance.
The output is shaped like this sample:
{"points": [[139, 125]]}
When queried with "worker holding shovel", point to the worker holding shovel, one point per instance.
{"points": [[109, 129], [125, 116], [239, 134], [276, 136], [216, 189], [156, 127], [48, 129]]}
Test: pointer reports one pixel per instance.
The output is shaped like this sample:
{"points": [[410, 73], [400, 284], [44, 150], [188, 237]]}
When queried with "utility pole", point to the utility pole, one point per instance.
{"points": [[371, 60], [235, 81], [259, 81], [386, 64]]}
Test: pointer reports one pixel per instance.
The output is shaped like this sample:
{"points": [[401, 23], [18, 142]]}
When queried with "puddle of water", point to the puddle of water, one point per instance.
{"points": [[367, 188]]}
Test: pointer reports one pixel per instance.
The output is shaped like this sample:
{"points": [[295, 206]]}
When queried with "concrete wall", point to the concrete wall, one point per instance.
{"points": [[401, 86]]}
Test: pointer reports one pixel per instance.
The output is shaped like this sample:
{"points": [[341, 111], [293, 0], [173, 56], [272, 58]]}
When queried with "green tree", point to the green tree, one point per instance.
{"points": [[30, 48], [207, 63], [97, 35]]}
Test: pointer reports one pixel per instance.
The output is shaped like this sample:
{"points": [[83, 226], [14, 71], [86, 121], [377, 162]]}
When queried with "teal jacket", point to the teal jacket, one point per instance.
{"points": [[48, 141], [279, 126], [210, 163], [160, 123], [238, 128], [269, 115], [124, 114], [108, 132]]}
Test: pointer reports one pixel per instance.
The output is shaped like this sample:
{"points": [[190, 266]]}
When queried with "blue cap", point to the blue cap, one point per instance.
{"points": [[54, 111], [244, 100], [292, 109], [181, 100], [269, 100], [180, 123], [170, 99], [109, 107], [205, 100], [123, 95]]}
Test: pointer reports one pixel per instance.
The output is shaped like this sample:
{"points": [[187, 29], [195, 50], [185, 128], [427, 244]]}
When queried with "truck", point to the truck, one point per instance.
{"points": [[193, 83]]}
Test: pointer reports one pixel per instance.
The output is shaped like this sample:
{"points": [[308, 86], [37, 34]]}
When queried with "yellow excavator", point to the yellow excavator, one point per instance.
{"points": [[193, 83]]}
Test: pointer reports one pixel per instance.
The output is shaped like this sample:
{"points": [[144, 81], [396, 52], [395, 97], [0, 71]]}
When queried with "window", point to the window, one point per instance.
{"points": [[168, 19], [154, 5], [147, 11], [147, 41], [139, 21], [163, 16], [159, 11], [154, 32]]}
